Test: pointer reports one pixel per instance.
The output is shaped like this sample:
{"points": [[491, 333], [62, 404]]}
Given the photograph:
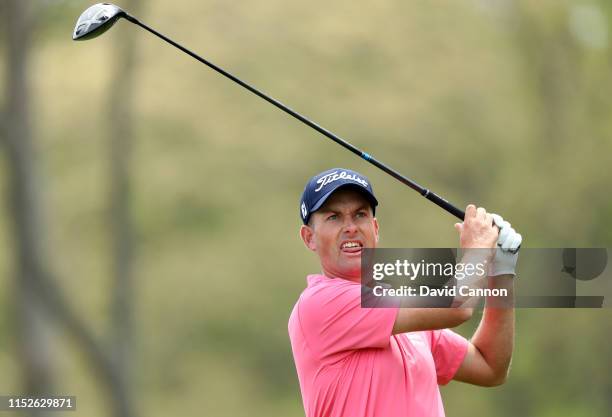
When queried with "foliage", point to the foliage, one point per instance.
{"points": [[502, 103]]}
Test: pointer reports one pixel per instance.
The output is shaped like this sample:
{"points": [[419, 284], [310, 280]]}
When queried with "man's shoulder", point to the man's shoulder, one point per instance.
{"points": [[321, 293], [320, 286]]}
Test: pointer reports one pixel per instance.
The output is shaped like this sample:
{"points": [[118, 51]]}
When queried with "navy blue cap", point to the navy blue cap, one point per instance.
{"points": [[321, 186]]}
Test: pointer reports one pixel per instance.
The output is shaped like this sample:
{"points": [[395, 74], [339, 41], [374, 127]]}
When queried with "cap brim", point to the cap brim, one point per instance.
{"points": [[364, 191]]}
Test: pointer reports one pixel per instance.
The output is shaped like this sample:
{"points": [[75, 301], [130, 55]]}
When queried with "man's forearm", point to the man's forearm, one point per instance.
{"points": [[477, 279], [494, 337]]}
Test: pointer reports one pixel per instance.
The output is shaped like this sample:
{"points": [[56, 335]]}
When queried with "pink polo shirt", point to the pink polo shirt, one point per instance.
{"points": [[349, 364]]}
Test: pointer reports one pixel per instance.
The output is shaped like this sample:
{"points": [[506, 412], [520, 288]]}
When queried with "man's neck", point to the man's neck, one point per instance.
{"points": [[331, 275]]}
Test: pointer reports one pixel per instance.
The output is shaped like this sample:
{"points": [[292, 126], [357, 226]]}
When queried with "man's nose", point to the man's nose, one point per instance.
{"points": [[349, 225]]}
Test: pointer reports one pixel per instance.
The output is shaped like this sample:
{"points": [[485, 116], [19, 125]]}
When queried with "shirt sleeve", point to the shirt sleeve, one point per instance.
{"points": [[448, 350], [333, 320]]}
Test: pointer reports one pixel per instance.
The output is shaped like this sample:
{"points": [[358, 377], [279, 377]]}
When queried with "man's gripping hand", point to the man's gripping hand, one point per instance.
{"points": [[477, 230], [508, 244]]}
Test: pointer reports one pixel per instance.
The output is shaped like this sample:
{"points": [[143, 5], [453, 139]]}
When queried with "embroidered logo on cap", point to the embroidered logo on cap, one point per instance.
{"points": [[334, 176]]}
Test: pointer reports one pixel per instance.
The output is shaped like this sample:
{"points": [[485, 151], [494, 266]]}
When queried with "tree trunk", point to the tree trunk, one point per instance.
{"points": [[121, 134], [26, 210]]}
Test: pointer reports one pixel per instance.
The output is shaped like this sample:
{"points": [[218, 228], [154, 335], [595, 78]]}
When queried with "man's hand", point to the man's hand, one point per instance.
{"points": [[508, 244], [477, 229]]}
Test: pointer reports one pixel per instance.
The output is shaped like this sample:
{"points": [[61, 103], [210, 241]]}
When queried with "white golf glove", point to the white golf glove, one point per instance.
{"points": [[508, 244]]}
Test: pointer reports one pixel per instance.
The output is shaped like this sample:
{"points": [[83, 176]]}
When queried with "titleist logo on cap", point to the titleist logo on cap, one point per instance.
{"points": [[334, 176]]}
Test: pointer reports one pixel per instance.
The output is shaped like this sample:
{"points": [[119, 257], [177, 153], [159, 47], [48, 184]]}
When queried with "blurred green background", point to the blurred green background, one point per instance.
{"points": [[502, 103]]}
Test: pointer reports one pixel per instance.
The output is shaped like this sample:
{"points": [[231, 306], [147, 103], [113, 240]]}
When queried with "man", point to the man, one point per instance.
{"points": [[387, 362]]}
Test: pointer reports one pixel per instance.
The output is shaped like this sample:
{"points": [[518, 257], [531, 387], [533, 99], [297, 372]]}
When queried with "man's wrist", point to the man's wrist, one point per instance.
{"points": [[504, 263]]}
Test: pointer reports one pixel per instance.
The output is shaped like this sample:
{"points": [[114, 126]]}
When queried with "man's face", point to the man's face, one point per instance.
{"points": [[339, 230]]}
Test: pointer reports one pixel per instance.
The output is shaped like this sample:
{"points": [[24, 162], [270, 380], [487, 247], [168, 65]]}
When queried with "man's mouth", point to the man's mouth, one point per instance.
{"points": [[351, 246]]}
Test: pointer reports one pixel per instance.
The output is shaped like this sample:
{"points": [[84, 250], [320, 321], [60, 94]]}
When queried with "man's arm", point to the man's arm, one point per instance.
{"points": [[490, 350], [412, 318], [477, 231], [489, 354]]}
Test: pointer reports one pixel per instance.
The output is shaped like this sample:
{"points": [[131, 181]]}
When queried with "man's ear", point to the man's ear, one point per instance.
{"points": [[307, 235], [376, 228]]}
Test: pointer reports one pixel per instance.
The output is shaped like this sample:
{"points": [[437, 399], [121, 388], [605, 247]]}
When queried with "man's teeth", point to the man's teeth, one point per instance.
{"points": [[351, 245]]}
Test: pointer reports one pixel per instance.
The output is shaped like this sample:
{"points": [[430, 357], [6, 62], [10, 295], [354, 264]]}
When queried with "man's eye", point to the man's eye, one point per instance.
{"points": [[362, 214], [332, 217]]}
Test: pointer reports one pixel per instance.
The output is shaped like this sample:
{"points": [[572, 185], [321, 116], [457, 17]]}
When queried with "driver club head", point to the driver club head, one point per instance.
{"points": [[96, 20]]}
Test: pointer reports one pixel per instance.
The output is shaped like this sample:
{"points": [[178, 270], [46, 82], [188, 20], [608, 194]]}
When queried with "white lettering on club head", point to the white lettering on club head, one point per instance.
{"points": [[335, 176]]}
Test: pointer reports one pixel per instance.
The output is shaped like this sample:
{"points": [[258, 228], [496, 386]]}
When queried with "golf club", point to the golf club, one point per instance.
{"points": [[98, 18]]}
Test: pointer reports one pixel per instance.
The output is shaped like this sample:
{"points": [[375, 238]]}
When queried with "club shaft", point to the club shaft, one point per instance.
{"points": [[430, 195]]}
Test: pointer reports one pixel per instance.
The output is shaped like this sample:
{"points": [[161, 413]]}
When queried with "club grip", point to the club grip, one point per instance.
{"points": [[436, 199]]}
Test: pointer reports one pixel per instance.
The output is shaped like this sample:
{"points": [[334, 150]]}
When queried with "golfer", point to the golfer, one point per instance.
{"points": [[387, 362]]}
